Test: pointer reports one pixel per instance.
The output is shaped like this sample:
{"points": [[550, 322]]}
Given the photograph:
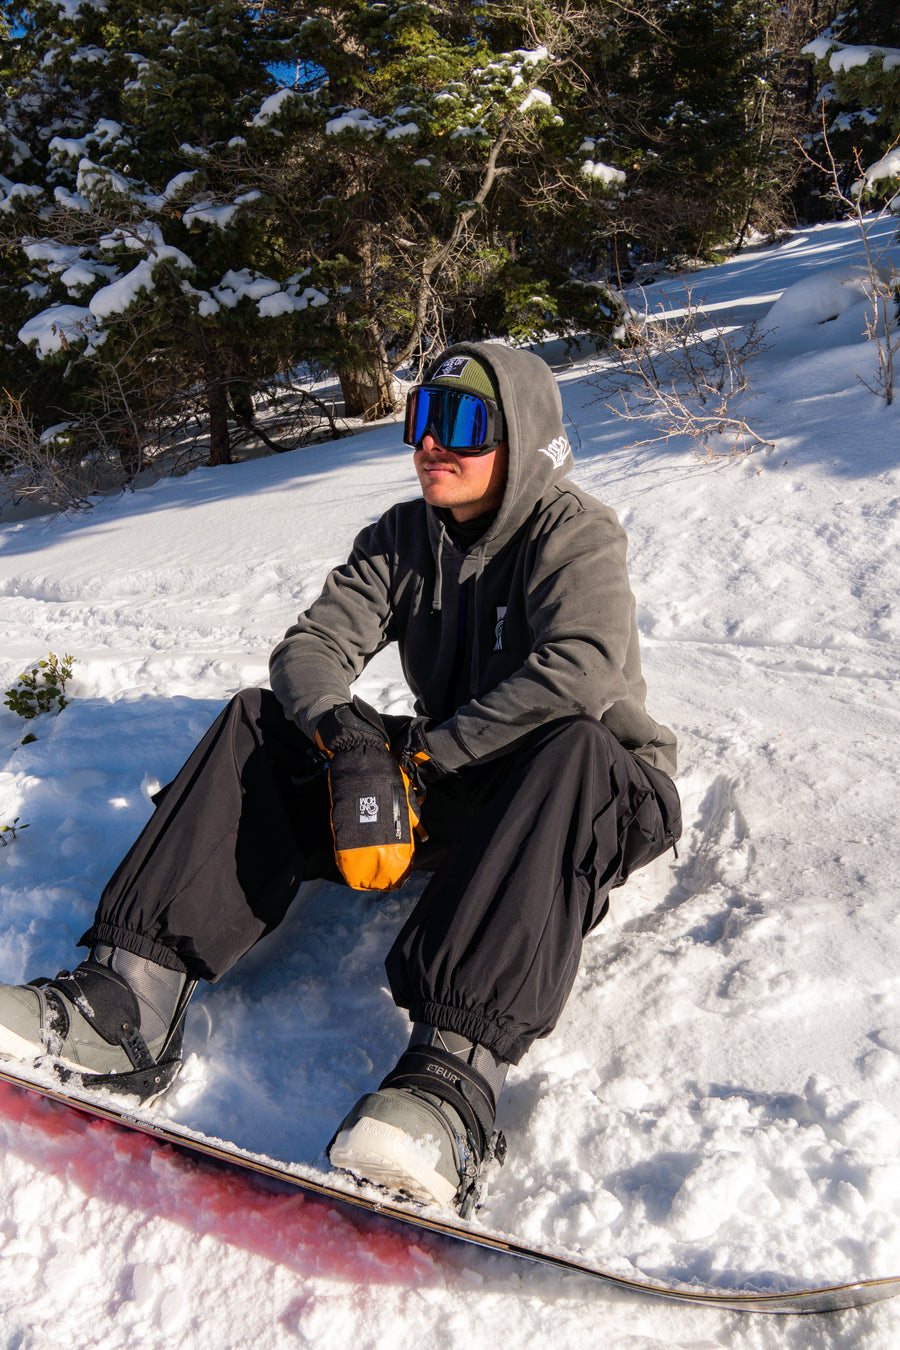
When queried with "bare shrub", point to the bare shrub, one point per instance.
{"points": [[148, 423], [40, 469], [882, 326], [684, 375]]}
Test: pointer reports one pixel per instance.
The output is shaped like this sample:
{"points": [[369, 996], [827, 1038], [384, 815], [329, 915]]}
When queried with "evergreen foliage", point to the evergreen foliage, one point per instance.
{"points": [[138, 277], [858, 64], [687, 86], [430, 177], [179, 230]]}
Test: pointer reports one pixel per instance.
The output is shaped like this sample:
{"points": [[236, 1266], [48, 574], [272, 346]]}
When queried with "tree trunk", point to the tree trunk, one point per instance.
{"points": [[129, 447], [367, 385], [620, 261], [368, 392], [217, 407]]}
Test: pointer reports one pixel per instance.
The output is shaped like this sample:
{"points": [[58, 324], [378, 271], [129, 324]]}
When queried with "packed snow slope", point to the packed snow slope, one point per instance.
{"points": [[721, 1099]]}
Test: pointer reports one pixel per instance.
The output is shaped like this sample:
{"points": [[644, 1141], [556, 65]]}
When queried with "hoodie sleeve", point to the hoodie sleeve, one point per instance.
{"points": [[319, 657], [580, 654]]}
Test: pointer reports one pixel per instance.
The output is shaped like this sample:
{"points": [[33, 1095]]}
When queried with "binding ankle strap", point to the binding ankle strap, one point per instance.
{"points": [[148, 1081], [107, 1004], [445, 1075]]}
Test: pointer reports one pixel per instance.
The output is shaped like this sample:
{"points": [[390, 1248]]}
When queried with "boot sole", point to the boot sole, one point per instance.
{"points": [[17, 1047], [16, 1050], [382, 1153]]}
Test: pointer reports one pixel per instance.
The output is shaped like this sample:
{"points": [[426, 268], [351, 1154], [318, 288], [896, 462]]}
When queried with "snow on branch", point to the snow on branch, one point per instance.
{"points": [[273, 106], [16, 194], [58, 328], [842, 57]]}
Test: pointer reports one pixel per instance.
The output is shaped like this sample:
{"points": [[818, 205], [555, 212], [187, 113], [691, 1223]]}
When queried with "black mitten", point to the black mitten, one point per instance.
{"points": [[374, 811]]}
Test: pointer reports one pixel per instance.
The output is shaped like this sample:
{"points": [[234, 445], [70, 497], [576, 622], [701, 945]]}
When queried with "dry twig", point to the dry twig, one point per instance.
{"points": [[686, 379]]}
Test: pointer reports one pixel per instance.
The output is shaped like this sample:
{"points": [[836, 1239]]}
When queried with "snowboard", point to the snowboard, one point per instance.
{"points": [[342, 1192]]}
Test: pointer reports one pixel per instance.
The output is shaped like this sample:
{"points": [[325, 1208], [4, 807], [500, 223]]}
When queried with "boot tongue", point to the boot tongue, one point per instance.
{"points": [[479, 1057], [156, 989]]}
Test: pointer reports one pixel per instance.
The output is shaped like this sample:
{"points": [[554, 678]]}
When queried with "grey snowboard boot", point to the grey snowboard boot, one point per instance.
{"points": [[116, 1021], [430, 1126]]}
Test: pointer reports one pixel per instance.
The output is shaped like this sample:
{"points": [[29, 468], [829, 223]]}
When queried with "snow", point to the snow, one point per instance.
{"points": [[105, 132], [886, 167], [139, 237], [842, 297], [94, 179], [121, 294], [54, 328], [721, 1098], [271, 299], [532, 56], [356, 119], [178, 184], [595, 168], [605, 172], [78, 277], [72, 201], [536, 98], [273, 105], [849, 58], [211, 214], [57, 255], [843, 57]]}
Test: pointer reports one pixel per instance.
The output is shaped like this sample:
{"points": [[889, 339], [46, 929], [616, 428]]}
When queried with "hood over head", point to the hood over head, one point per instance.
{"points": [[539, 450]]}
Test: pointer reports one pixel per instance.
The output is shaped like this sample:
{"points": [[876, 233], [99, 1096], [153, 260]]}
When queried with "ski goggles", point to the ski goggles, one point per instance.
{"points": [[467, 424]]}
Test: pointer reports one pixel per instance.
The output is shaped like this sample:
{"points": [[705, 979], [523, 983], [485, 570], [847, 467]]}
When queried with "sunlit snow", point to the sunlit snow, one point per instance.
{"points": [[721, 1099]]}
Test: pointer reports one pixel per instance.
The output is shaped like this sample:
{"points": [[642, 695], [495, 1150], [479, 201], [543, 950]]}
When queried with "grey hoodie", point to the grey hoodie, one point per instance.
{"points": [[533, 622]]}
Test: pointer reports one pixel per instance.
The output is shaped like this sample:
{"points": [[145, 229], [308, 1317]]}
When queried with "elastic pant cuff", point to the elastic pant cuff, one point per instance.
{"points": [[135, 943], [474, 1026]]}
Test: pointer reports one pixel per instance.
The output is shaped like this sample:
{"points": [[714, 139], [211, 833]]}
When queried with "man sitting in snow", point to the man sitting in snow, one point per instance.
{"points": [[530, 781]]}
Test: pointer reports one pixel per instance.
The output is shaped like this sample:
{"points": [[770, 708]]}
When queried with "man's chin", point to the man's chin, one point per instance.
{"points": [[440, 494]]}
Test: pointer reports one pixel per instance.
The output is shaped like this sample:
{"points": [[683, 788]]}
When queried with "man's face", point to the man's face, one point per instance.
{"points": [[468, 485]]}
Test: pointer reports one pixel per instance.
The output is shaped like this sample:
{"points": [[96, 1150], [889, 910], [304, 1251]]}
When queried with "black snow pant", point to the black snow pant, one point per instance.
{"points": [[524, 850]]}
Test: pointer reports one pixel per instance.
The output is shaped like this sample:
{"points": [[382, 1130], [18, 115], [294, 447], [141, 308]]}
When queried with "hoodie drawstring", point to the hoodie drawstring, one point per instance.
{"points": [[474, 674], [438, 571]]}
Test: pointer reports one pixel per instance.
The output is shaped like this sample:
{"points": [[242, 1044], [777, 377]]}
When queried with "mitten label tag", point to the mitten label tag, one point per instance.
{"points": [[368, 810]]}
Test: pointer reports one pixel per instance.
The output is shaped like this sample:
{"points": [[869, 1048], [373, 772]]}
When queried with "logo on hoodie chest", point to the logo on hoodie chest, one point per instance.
{"points": [[498, 628]]}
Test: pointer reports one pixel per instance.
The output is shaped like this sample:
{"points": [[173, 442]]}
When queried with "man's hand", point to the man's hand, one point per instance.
{"points": [[374, 811], [416, 760]]}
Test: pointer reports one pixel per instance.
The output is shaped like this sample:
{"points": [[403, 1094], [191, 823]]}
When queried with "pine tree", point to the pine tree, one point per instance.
{"points": [[179, 228], [858, 112], [871, 21], [687, 110], [432, 160], [139, 272]]}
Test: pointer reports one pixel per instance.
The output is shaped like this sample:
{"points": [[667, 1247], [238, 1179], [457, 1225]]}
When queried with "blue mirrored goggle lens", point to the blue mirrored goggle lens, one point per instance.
{"points": [[459, 421]]}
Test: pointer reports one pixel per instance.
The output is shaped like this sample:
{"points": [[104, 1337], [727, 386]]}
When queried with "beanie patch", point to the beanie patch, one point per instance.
{"points": [[466, 372]]}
